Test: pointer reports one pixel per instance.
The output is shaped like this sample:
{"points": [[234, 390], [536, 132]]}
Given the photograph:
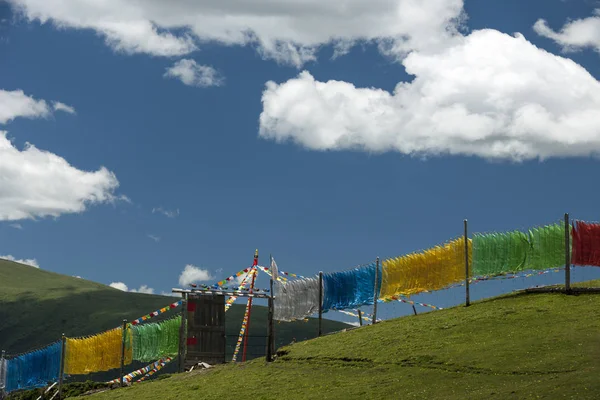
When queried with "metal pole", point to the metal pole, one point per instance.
{"points": [[320, 302], [375, 294], [467, 294], [123, 339], [182, 333], [270, 342], [62, 365], [359, 317], [567, 256]]}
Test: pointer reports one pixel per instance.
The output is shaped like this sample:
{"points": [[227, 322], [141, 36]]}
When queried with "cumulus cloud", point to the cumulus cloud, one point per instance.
{"points": [[123, 287], [143, 289], [58, 106], [574, 35], [16, 103], [193, 74], [119, 285], [168, 213], [32, 262], [287, 31], [170, 294], [192, 274], [17, 226], [489, 94], [37, 183]]}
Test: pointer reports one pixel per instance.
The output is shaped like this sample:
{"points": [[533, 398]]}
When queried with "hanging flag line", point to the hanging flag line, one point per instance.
{"points": [[267, 270], [398, 298], [232, 299], [237, 274], [234, 288], [221, 292], [129, 377], [365, 316], [161, 364], [238, 345], [279, 277], [157, 312]]}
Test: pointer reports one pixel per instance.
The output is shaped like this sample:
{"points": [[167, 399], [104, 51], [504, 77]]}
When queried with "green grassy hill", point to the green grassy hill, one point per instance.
{"points": [[543, 346], [37, 306]]}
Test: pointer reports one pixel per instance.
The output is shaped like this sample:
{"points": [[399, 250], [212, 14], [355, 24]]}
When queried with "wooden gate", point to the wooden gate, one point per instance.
{"points": [[205, 330]]}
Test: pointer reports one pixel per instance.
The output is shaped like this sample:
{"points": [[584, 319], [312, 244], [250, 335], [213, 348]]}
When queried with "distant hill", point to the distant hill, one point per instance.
{"points": [[37, 306]]}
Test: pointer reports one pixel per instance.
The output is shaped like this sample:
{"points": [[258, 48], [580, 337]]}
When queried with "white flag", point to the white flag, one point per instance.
{"points": [[274, 271]]}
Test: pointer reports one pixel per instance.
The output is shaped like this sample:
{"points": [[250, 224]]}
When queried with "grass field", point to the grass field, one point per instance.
{"points": [[539, 346], [37, 306]]}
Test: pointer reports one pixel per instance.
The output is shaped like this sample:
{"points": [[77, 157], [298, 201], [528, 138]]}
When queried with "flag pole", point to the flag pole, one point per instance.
{"points": [[249, 305]]}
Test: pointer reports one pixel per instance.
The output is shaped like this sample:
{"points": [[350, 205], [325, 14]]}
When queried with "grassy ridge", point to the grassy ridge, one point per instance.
{"points": [[37, 306], [519, 346]]}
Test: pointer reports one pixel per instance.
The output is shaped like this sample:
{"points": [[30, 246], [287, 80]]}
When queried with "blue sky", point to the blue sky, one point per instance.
{"points": [[282, 184]]}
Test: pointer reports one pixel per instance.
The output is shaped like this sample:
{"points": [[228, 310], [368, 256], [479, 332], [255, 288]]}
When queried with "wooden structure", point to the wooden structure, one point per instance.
{"points": [[205, 316], [205, 330]]}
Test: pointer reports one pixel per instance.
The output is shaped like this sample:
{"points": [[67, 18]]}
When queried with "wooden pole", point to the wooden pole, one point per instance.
{"points": [[375, 293], [467, 294], [320, 302], [61, 373], [414, 309], [182, 333], [123, 339], [567, 256], [270, 342], [249, 306], [359, 318]]}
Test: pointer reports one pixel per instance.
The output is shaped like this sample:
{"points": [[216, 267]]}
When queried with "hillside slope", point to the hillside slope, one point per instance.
{"points": [[37, 306], [518, 346]]}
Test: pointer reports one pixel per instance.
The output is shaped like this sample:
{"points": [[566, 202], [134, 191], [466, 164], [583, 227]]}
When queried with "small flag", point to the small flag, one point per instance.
{"points": [[274, 270], [255, 258]]}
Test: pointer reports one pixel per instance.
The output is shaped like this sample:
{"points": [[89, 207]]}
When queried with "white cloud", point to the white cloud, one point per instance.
{"points": [[143, 289], [191, 274], [32, 262], [168, 213], [17, 226], [489, 94], [574, 35], [37, 183], [120, 286], [154, 237], [192, 74], [58, 106], [287, 31], [124, 288], [170, 294], [16, 103]]}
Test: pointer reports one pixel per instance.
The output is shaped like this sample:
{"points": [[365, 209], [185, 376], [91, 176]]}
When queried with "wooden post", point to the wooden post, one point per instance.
{"points": [[123, 339], [271, 340], [567, 256], [359, 317], [467, 294], [414, 309], [375, 294], [182, 333], [320, 302], [61, 373]]}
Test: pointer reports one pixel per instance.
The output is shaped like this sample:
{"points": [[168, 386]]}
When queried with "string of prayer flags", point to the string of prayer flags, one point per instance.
{"points": [[157, 312], [159, 365], [586, 244], [155, 340], [232, 277], [97, 353], [130, 376], [33, 369], [432, 269], [296, 299]]}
